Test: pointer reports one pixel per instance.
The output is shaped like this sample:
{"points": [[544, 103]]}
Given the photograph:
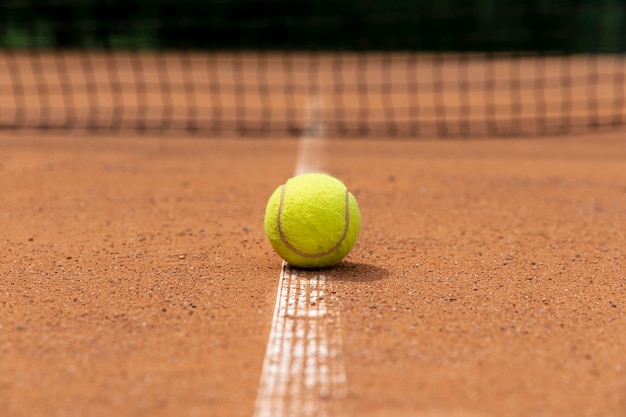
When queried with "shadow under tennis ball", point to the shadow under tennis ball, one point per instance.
{"points": [[355, 272]]}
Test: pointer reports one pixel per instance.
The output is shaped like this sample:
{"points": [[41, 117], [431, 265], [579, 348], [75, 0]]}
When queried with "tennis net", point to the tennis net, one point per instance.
{"points": [[187, 66]]}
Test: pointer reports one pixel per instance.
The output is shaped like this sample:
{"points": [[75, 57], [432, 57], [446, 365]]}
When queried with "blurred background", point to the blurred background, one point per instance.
{"points": [[416, 25], [400, 68]]}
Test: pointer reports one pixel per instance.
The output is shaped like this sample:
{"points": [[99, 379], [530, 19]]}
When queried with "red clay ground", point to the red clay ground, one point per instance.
{"points": [[489, 278]]}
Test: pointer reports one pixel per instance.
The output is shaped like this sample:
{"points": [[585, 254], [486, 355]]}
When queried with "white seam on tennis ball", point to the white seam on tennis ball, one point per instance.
{"points": [[312, 255]]}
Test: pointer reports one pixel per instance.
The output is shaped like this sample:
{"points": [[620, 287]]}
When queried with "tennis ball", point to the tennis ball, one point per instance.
{"points": [[312, 221]]}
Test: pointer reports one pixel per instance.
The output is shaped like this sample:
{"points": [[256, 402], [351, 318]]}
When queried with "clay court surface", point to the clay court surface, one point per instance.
{"points": [[489, 278], [136, 280]]}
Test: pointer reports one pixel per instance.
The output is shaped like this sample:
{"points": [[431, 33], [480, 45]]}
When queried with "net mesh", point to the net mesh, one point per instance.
{"points": [[404, 72]]}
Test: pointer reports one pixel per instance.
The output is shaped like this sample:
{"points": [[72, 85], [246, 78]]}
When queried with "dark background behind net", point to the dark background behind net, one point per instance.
{"points": [[431, 25], [443, 40]]}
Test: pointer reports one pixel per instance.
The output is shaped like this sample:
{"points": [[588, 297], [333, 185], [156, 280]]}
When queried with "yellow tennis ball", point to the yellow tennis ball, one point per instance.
{"points": [[312, 221]]}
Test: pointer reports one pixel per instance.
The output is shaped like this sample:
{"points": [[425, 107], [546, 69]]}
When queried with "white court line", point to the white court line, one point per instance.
{"points": [[303, 367], [312, 142]]}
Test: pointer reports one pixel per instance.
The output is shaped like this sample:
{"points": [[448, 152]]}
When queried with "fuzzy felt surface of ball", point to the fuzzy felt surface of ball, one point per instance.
{"points": [[312, 221]]}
